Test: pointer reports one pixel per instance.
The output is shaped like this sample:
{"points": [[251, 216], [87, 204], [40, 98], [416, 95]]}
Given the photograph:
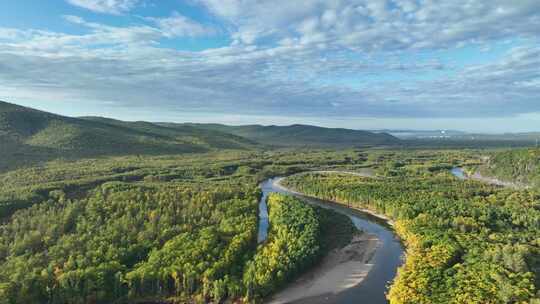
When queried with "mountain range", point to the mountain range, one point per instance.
{"points": [[303, 135], [28, 136]]}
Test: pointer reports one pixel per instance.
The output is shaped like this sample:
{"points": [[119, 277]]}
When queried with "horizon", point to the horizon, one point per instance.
{"points": [[381, 130], [470, 66]]}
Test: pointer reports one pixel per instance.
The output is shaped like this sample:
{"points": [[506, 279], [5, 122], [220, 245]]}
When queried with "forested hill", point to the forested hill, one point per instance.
{"points": [[305, 135], [521, 166], [28, 135]]}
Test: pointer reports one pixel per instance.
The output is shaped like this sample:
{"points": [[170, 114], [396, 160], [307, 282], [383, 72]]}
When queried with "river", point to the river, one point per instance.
{"points": [[388, 256], [458, 172]]}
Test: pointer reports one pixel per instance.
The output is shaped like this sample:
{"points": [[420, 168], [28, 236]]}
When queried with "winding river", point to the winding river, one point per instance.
{"points": [[387, 258]]}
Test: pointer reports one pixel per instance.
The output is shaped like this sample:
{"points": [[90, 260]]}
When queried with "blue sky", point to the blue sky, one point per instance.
{"points": [[469, 65]]}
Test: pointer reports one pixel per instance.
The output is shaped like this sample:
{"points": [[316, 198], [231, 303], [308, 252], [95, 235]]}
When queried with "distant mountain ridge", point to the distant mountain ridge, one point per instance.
{"points": [[28, 135], [298, 135]]}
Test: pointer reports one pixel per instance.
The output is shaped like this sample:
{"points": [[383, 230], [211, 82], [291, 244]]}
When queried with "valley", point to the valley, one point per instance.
{"points": [[379, 224], [269, 152]]}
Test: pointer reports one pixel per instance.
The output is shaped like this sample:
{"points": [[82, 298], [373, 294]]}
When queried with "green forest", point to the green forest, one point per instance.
{"points": [[183, 228], [269, 152], [467, 242], [519, 165], [134, 229]]}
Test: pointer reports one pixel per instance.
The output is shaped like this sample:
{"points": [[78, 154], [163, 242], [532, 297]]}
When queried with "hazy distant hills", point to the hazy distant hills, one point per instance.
{"points": [[461, 135], [28, 135], [304, 135], [462, 139], [416, 134]]}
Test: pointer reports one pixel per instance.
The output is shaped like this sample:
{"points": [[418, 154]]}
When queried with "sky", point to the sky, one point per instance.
{"points": [[468, 65]]}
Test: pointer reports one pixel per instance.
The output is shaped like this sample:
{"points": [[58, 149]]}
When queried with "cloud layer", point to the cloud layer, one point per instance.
{"points": [[114, 7], [378, 25], [384, 59]]}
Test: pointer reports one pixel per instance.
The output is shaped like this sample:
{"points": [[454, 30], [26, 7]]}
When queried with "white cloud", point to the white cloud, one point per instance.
{"points": [[114, 7], [378, 25], [74, 19], [289, 58], [180, 26], [285, 80]]}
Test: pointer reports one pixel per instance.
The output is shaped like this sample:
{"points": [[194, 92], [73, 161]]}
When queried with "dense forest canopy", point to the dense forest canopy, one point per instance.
{"points": [[467, 242], [269, 151], [520, 165], [178, 228], [183, 227]]}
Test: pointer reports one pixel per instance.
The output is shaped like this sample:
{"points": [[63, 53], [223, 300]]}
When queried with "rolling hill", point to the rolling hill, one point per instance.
{"points": [[28, 136], [304, 135]]}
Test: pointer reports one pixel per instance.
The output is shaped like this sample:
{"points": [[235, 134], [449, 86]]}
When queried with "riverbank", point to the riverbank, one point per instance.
{"points": [[340, 270], [494, 181], [477, 176], [344, 271]]}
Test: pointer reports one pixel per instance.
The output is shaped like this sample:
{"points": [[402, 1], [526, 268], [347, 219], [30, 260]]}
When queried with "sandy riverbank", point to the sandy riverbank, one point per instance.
{"points": [[341, 269], [477, 176], [494, 181]]}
